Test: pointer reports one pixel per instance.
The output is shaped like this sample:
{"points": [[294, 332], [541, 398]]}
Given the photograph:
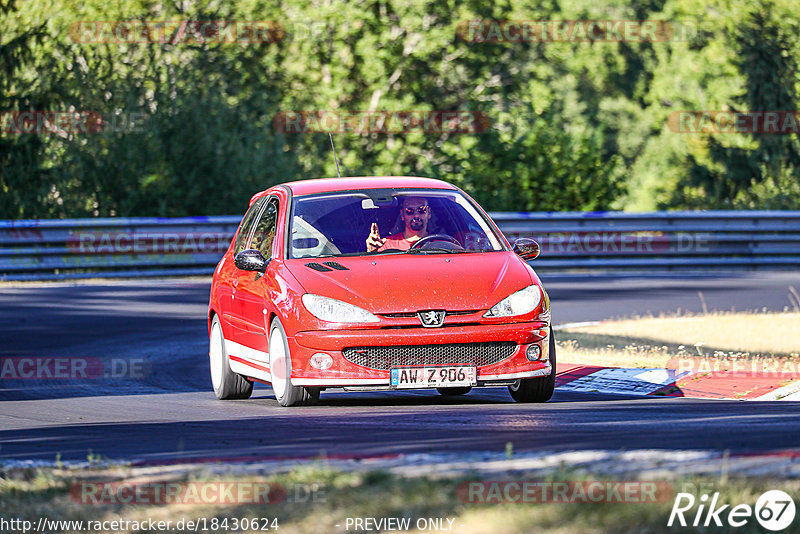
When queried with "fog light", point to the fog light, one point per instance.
{"points": [[533, 352], [321, 361]]}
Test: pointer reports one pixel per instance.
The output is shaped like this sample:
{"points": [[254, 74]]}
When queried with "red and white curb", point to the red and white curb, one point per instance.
{"points": [[676, 383]]}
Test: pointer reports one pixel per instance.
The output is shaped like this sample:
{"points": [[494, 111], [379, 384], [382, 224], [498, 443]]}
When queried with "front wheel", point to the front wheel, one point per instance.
{"points": [[540, 388], [280, 368], [227, 384]]}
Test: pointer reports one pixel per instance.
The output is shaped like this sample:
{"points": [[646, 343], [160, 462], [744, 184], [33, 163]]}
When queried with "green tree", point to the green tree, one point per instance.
{"points": [[759, 171], [572, 125], [24, 178]]}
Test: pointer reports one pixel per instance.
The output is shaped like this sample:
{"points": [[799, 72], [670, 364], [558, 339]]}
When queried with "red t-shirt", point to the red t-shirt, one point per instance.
{"points": [[397, 241]]}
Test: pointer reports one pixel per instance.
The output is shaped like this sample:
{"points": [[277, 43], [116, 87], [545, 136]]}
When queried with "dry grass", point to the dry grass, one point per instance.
{"points": [[30, 494], [655, 341]]}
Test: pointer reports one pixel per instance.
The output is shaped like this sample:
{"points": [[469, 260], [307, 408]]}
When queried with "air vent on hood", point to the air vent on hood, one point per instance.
{"points": [[318, 267], [337, 266]]}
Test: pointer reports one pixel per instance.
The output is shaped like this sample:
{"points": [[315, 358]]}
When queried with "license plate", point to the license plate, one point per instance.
{"points": [[433, 377]]}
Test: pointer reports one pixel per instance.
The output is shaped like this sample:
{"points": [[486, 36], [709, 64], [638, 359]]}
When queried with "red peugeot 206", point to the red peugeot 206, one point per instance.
{"points": [[378, 283]]}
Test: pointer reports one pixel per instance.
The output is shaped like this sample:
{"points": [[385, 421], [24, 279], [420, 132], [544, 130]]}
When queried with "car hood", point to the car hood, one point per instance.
{"points": [[401, 283]]}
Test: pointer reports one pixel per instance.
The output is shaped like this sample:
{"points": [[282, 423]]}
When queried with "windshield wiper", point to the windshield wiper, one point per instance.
{"points": [[387, 251], [434, 250], [353, 254]]}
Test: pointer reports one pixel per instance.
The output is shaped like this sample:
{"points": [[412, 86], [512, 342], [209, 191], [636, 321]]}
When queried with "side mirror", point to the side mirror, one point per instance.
{"points": [[527, 249], [251, 260]]}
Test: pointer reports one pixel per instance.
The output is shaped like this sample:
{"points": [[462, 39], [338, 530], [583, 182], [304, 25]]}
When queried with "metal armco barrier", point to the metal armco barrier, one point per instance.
{"points": [[113, 247], [680, 241], [592, 241]]}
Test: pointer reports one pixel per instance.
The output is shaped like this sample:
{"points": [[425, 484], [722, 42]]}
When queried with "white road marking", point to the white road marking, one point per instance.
{"points": [[626, 381]]}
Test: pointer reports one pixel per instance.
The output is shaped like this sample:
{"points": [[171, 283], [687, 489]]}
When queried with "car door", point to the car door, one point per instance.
{"points": [[250, 288], [228, 275]]}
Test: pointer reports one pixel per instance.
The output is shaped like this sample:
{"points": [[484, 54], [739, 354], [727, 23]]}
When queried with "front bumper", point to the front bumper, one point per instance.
{"points": [[345, 373]]}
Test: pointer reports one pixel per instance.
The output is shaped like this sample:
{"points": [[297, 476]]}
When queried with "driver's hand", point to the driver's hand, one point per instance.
{"points": [[374, 241]]}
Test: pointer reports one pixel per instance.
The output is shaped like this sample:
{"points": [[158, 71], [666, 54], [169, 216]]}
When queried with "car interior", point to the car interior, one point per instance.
{"points": [[341, 224]]}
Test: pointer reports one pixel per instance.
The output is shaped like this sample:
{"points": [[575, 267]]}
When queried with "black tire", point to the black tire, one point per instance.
{"points": [[286, 393], [227, 384], [539, 389], [453, 392]]}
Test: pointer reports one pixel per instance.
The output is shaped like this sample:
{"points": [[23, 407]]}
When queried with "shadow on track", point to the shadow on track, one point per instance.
{"points": [[348, 427]]}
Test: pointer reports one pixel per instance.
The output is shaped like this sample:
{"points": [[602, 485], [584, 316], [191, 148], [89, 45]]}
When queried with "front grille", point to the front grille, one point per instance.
{"points": [[406, 315], [478, 354]]}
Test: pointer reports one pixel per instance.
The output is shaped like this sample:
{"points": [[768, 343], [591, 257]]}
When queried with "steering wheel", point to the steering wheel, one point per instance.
{"points": [[436, 237]]}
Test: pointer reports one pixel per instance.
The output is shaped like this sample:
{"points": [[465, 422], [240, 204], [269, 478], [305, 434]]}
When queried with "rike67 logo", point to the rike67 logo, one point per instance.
{"points": [[774, 511]]}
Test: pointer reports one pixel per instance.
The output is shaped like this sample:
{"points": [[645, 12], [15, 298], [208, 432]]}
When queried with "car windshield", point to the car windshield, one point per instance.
{"points": [[339, 224]]}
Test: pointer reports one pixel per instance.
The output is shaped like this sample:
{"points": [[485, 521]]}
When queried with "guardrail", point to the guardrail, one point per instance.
{"points": [[680, 241]]}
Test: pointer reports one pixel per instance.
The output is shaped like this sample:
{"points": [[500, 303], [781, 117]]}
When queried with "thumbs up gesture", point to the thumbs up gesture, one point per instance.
{"points": [[374, 241]]}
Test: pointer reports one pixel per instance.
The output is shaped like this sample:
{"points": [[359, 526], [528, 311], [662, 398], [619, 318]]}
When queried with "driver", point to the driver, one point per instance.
{"points": [[415, 214]]}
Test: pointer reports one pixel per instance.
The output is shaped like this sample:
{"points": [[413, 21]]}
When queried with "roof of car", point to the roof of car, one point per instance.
{"points": [[325, 185]]}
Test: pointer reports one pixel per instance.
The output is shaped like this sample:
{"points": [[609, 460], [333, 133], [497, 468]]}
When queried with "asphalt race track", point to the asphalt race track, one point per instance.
{"points": [[153, 401]]}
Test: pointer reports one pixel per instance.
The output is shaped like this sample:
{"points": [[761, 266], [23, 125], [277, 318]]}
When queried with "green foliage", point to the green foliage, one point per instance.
{"points": [[23, 180], [764, 170], [572, 125], [539, 166]]}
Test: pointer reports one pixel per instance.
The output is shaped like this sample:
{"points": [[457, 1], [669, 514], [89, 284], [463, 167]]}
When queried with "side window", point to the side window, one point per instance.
{"points": [[246, 228], [264, 233]]}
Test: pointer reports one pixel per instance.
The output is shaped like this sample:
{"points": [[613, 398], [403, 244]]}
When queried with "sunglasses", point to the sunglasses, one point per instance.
{"points": [[422, 210]]}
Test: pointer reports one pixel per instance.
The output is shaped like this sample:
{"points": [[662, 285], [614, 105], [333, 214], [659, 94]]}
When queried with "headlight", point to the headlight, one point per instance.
{"points": [[522, 302], [336, 311]]}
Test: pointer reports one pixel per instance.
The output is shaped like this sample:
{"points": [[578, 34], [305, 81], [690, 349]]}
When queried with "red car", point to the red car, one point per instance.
{"points": [[376, 283]]}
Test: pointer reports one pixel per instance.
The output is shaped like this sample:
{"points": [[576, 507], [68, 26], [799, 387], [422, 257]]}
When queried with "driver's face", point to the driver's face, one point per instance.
{"points": [[416, 213]]}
